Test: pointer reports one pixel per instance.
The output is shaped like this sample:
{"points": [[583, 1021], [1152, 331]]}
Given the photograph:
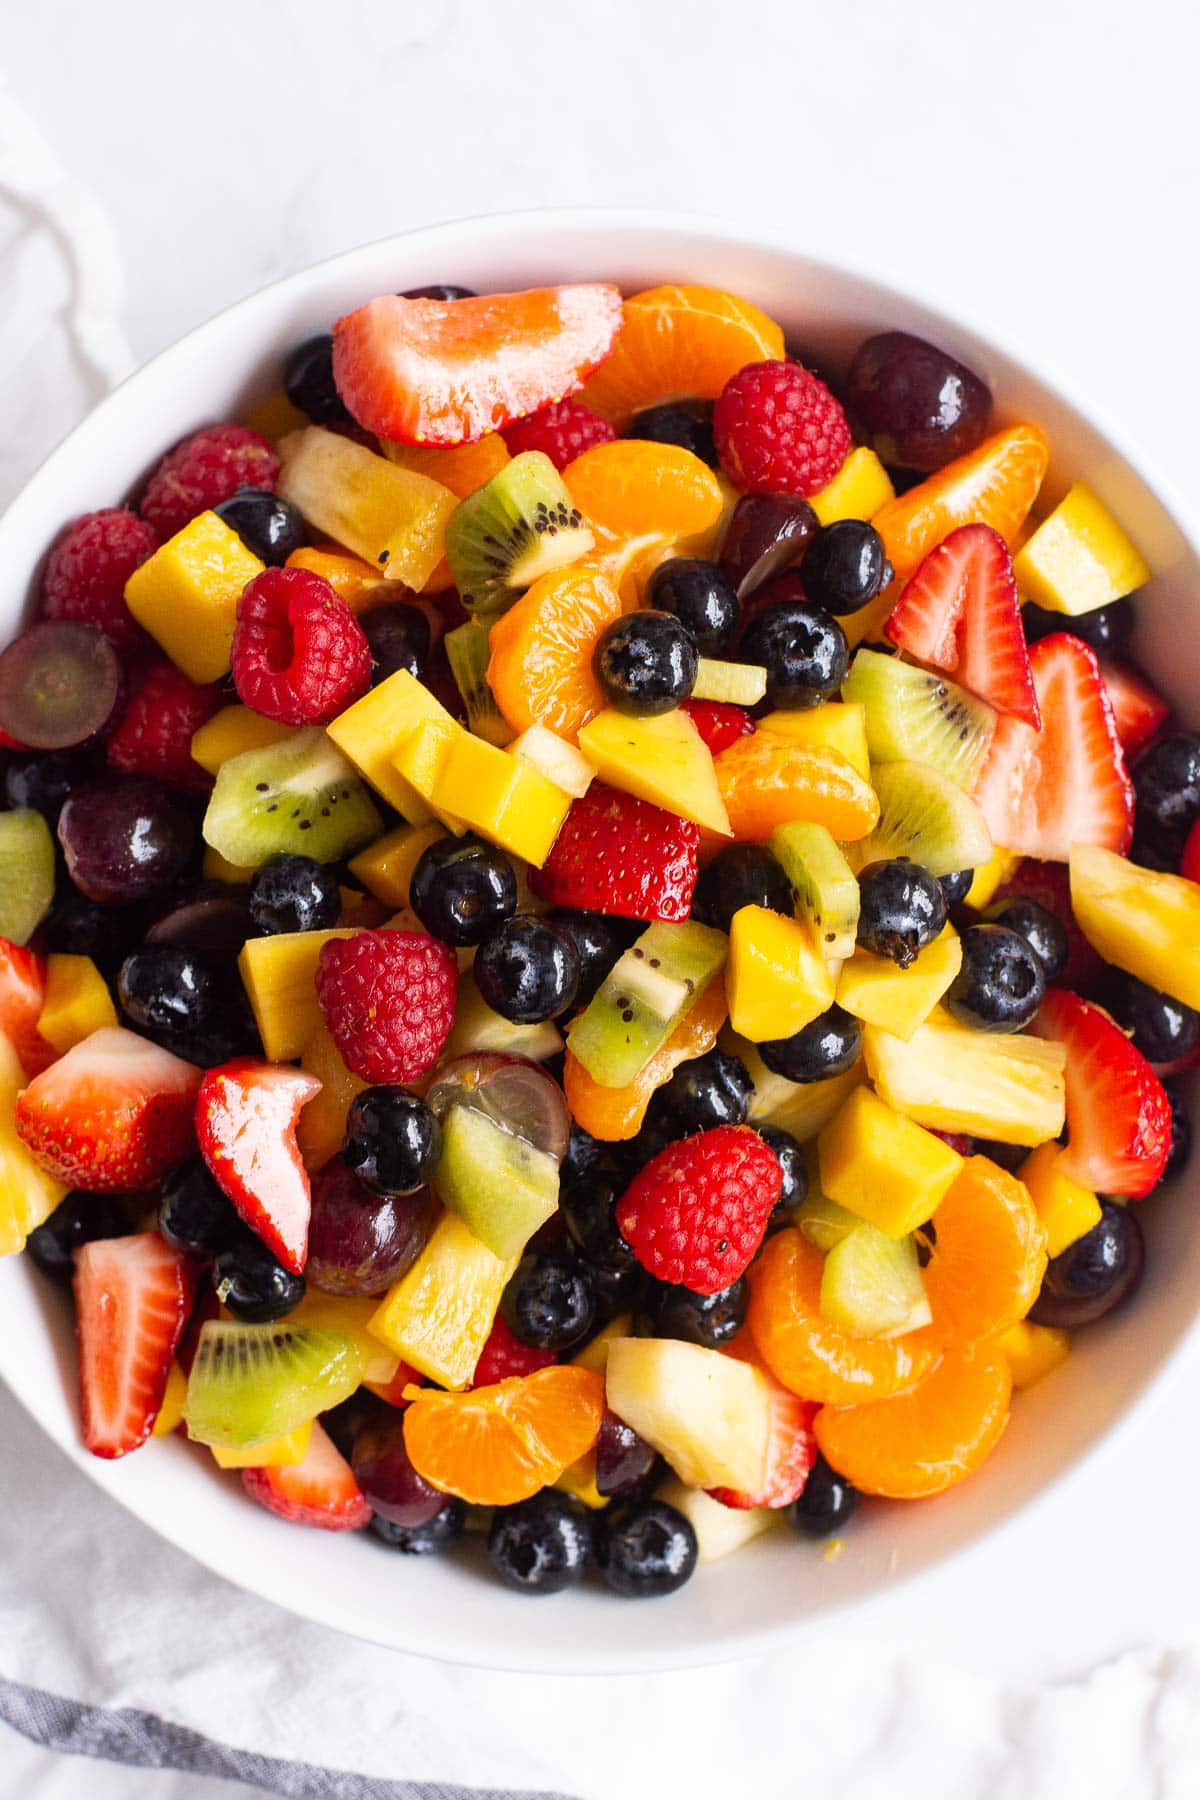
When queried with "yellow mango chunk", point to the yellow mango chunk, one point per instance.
{"points": [[951, 1078], [883, 1167], [861, 486], [663, 760], [281, 1453], [280, 977], [230, 732], [27, 1194], [989, 876], [420, 761], [776, 980], [878, 991], [387, 865], [837, 725], [438, 1316], [76, 1002], [170, 1413], [216, 867], [393, 518], [580, 1480], [352, 580], [274, 416], [1066, 1208], [502, 797], [186, 594], [321, 1128], [1079, 558], [1033, 1351], [594, 1354], [1144, 921], [372, 730]]}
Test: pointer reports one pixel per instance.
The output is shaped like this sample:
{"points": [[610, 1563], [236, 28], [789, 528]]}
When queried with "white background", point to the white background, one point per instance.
{"points": [[1030, 165]]}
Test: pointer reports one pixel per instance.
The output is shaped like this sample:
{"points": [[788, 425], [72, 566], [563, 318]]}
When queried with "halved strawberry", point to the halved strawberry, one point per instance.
{"points": [[960, 612], [1139, 713], [393, 1391], [112, 1115], [246, 1113], [320, 1490], [617, 854], [22, 993], [132, 1295], [1042, 791], [1050, 885], [1118, 1113], [447, 371], [719, 722], [791, 1446]]}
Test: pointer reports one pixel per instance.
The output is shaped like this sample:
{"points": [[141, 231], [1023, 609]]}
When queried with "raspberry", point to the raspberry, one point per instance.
{"points": [[719, 722], [299, 654], [697, 1212], [205, 469], [388, 1000], [504, 1355], [779, 430], [87, 570], [562, 431], [619, 855], [154, 735]]}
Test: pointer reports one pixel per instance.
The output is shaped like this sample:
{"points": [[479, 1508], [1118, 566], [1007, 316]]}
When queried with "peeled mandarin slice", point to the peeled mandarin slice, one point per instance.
{"points": [[496, 1445], [995, 485], [540, 667], [808, 1353], [767, 780], [917, 1444], [679, 343], [615, 1114], [986, 1265], [460, 467], [631, 487]]}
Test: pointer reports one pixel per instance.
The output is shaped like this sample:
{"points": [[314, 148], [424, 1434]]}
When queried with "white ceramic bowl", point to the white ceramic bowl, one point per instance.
{"points": [[452, 1608]]}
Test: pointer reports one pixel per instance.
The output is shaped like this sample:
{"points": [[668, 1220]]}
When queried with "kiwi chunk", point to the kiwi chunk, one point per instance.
{"points": [[925, 816], [914, 716], [26, 873], [467, 653], [825, 1223], [301, 795], [502, 1188], [643, 998], [871, 1285], [826, 888], [252, 1383], [518, 526]]}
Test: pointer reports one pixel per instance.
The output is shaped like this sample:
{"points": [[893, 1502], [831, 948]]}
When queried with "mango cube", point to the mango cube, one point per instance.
{"points": [[230, 732], [170, 1413], [372, 730], [594, 1354], [280, 977], [883, 1167], [281, 1453], [393, 518], [386, 866], [775, 978], [858, 490], [438, 1316], [801, 1108], [503, 798], [1066, 1208], [27, 1194], [837, 725], [989, 876], [186, 594], [879, 992], [76, 1002], [216, 867], [662, 759], [580, 1481], [1033, 1351], [420, 761], [951, 1078], [352, 580], [321, 1128], [1143, 921], [351, 1313], [1079, 558]]}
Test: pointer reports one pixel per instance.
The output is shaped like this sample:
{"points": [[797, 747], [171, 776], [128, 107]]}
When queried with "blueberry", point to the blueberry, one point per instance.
{"points": [[707, 1319], [79, 1218], [1045, 935], [901, 909], [1095, 1273], [542, 1545], [267, 524], [700, 598], [526, 970], [615, 1292], [308, 381], [646, 663], [826, 1503], [167, 988], [707, 1091], [1166, 782], [1108, 629], [583, 1154], [599, 943], [793, 1168], [646, 1549], [194, 1214], [43, 782], [1181, 1132], [846, 567], [77, 926], [1162, 1028], [589, 1213], [393, 1141], [742, 875], [829, 1046], [399, 638], [294, 893], [435, 1535], [438, 290], [803, 649], [462, 888], [687, 423], [252, 1283], [1001, 982], [957, 886], [549, 1302]]}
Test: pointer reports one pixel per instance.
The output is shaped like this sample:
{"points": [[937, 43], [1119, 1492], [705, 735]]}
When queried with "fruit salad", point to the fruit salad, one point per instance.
{"points": [[597, 930]]}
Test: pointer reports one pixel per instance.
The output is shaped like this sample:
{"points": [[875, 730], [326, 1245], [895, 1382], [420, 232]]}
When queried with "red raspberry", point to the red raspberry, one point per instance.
{"points": [[619, 855], [388, 1000], [88, 567], [299, 654], [563, 431], [154, 735], [205, 469], [697, 1212], [504, 1355], [779, 430], [719, 722]]}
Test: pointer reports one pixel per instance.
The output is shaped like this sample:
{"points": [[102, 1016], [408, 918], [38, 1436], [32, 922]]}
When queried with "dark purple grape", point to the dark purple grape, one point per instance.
{"points": [[383, 1470], [398, 633], [765, 533], [913, 403], [1095, 1273], [76, 926], [360, 1242], [59, 684], [622, 1457], [215, 921], [125, 838]]}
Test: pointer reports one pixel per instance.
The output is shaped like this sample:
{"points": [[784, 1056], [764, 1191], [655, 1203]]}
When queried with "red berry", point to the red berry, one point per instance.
{"points": [[1118, 1113], [619, 855], [779, 430], [697, 1212], [205, 469], [388, 999], [154, 735], [563, 432], [504, 1355], [299, 654], [132, 1295], [88, 567], [719, 722], [319, 1490]]}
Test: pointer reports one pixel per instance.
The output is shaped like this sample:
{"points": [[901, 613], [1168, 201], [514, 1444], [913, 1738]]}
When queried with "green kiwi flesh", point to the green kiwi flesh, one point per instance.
{"points": [[925, 816], [467, 653], [502, 1188], [252, 1383], [643, 998], [826, 888], [301, 796], [915, 716], [26, 873], [518, 526], [871, 1284]]}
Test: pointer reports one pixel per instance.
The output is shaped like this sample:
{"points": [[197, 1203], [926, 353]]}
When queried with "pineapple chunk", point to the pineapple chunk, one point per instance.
{"points": [[989, 876], [502, 797], [718, 1528], [438, 1316], [1145, 922], [230, 732], [1066, 1208], [186, 594], [391, 517], [27, 1194], [1079, 558], [556, 759], [372, 730], [281, 1453], [801, 1108], [478, 1028], [170, 1413], [879, 992], [837, 725], [594, 1354], [732, 683], [861, 486], [1033, 1351], [953, 1079], [883, 1167], [386, 866], [662, 759], [352, 580], [776, 981], [280, 977], [708, 1414], [76, 1002], [321, 1127]]}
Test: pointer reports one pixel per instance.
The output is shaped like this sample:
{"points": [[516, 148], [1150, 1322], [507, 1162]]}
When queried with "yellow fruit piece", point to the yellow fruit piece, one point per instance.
{"points": [[1065, 1207], [503, 798], [359, 911], [580, 1480], [879, 992], [801, 1108], [461, 467], [989, 876], [663, 760], [732, 683], [353, 580], [1033, 1351], [708, 1414], [170, 1413], [594, 1354], [215, 867], [866, 625], [27, 1194], [372, 730], [1146, 922], [951, 1078], [230, 732], [776, 980], [719, 1529], [76, 1003], [837, 725], [438, 1316], [420, 761], [555, 758], [281, 1453], [883, 1167], [321, 1128], [1079, 558], [477, 1028], [280, 975], [394, 519], [351, 1313], [861, 486], [186, 594], [274, 416], [386, 866]]}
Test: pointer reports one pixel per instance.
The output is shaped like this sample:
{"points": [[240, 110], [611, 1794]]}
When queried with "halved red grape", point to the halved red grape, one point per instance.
{"points": [[513, 1091], [765, 533], [59, 684], [916, 405], [383, 1470], [623, 1458], [215, 921], [125, 838], [360, 1242]]}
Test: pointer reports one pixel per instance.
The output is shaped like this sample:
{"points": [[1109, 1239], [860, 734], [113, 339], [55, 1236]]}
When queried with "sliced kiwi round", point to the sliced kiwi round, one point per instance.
{"points": [[252, 1383], [518, 526], [59, 684], [926, 816], [301, 796], [467, 653], [915, 716], [26, 873]]}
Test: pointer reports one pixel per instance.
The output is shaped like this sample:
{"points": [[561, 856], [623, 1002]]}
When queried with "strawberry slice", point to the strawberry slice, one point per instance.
{"points": [[1118, 1113], [1042, 791], [1139, 713], [791, 1446], [132, 1295], [960, 612], [1050, 885], [447, 371], [246, 1113], [22, 994], [616, 854], [112, 1115], [719, 722], [320, 1490]]}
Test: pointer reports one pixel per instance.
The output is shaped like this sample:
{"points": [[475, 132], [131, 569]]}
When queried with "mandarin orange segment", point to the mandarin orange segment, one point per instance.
{"points": [[679, 343], [493, 1446], [540, 667], [630, 487], [460, 467], [920, 1443], [615, 1114], [808, 1353], [994, 485], [768, 780], [986, 1267]]}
